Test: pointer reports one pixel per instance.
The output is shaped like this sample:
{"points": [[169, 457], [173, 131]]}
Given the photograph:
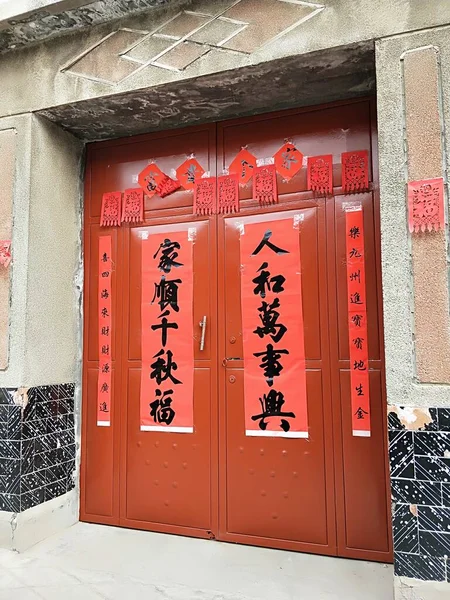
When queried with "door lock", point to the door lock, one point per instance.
{"points": [[226, 360]]}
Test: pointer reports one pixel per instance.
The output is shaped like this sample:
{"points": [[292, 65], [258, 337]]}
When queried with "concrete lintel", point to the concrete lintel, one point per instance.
{"points": [[303, 80]]}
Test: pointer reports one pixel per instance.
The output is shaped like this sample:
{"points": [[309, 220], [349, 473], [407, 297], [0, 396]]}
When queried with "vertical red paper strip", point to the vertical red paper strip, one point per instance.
{"points": [[104, 393], [357, 322], [265, 189], [426, 205], [273, 330], [167, 376]]}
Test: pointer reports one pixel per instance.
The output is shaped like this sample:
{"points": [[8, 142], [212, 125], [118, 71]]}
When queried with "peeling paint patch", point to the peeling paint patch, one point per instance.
{"points": [[20, 397], [412, 418]]}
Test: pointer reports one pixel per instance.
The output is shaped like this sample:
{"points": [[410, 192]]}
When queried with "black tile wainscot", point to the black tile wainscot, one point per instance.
{"points": [[37, 445], [420, 485]]}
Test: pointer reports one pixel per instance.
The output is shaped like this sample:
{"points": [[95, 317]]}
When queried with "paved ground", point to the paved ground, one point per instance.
{"points": [[91, 562]]}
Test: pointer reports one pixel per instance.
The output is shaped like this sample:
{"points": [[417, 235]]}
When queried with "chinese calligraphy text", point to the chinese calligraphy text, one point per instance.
{"points": [[104, 332]]}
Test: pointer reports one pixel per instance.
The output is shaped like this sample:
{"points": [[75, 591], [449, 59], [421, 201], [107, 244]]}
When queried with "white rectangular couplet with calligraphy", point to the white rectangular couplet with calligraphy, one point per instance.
{"points": [[167, 378]]}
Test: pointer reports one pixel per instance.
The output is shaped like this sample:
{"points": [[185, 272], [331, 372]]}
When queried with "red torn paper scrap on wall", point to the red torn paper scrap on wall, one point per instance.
{"points": [[355, 171], [111, 207], [243, 165], [426, 205], [288, 161], [189, 173], [275, 395], [228, 194], [167, 374], [320, 174], [205, 196], [357, 322], [265, 185], [133, 206], [5, 253], [104, 393]]}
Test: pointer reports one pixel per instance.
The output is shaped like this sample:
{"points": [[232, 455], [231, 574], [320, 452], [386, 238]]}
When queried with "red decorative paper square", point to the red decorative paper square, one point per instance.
{"points": [[189, 173], [133, 206], [5, 253], [320, 173], [288, 161], [265, 185], [355, 171], [111, 205], [244, 166], [228, 194], [150, 178], [205, 196], [167, 186], [426, 205]]}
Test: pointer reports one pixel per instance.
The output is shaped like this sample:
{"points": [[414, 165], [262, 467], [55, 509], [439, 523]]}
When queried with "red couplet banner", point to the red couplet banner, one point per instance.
{"points": [[104, 333], [275, 393], [167, 377], [357, 322]]}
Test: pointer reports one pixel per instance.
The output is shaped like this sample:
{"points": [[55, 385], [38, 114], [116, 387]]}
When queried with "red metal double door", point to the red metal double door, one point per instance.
{"points": [[326, 494]]}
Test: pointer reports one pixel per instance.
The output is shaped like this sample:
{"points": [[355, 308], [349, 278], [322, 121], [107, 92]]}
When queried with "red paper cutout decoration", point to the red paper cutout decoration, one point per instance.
{"points": [[167, 186], [5, 253], [244, 166], [205, 196], [288, 161], [150, 178], [426, 205], [228, 194], [265, 185], [320, 173], [133, 206], [153, 181], [111, 205], [189, 173], [355, 171]]}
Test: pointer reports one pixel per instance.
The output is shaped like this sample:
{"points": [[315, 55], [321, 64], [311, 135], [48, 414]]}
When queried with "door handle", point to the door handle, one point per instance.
{"points": [[225, 360], [202, 339]]}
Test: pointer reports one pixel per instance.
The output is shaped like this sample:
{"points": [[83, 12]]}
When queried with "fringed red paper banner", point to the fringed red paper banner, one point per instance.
{"points": [[133, 206], [111, 205], [355, 171], [426, 205], [104, 332], [205, 196], [167, 186], [288, 161], [265, 185], [244, 166], [357, 321], [189, 173], [320, 174], [150, 178], [228, 194], [275, 392], [5, 253]]}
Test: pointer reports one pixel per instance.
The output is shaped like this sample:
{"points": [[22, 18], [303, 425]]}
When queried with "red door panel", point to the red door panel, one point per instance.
{"points": [[160, 470], [326, 494]]}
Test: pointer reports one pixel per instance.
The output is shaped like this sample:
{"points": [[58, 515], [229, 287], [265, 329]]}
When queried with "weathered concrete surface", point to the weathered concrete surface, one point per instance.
{"points": [[52, 315], [301, 80], [25, 22], [402, 389], [87, 563], [33, 79]]}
